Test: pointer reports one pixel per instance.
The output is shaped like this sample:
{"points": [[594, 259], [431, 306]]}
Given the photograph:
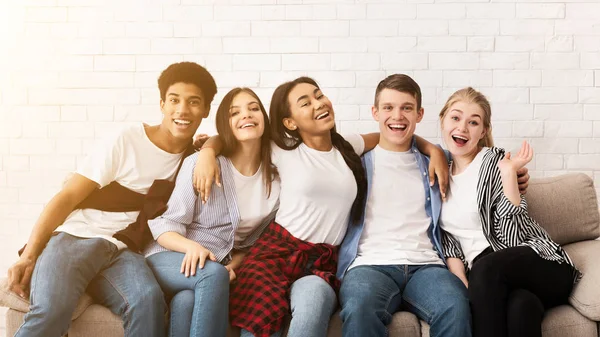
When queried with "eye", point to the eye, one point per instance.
{"points": [[174, 100], [473, 123], [234, 112], [408, 108], [195, 102], [304, 104], [454, 118], [387, 107], [255, 108], [320, 95]]}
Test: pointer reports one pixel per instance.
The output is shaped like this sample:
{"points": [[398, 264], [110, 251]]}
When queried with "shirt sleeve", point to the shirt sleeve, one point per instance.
{"points": [[357, 142], [451, 248], [181, 206], [102, 164]]}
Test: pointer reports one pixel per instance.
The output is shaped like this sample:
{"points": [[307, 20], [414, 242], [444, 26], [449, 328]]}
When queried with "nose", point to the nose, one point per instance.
{"points": [[462, 125], [318, 104], [183, 107], [397, 114]]}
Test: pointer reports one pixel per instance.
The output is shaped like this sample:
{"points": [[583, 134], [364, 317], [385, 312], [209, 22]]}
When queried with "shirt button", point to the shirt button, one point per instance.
{"points": [[415, 151], [428, 198], [424, 173]]}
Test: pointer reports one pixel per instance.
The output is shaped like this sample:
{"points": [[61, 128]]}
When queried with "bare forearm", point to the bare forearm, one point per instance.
{"points": [[511, 187], [215, 144], [427, 148], [457, 268], [175, 242], [53, 215]]}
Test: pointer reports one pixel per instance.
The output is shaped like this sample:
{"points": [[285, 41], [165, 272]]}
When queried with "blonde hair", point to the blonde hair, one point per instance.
{"points": [[470, 95]]}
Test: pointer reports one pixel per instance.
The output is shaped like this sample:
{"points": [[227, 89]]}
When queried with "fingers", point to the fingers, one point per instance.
{"points": [[196, 261], [201, 261], [218, 177], [431, 177], [507, 155], [443, 180], [202, 181], [232, 275], [207, 182], [26, 278], [212, 257]]}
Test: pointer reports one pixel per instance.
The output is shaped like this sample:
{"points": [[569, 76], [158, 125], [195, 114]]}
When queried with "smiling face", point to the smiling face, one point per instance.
{"points": [[398, 115], [183, 110], [463, 128], [246, 118], [311, 112]]}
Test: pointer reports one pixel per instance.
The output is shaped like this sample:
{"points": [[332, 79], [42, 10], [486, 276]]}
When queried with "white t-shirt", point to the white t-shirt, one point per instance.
{"points": [[396, 223], [317, 191], [460, 214], [253, 203], [132, 160]]}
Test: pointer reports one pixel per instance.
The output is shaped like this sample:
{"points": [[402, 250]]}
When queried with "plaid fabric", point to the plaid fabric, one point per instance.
{"points": [[259, 299]]}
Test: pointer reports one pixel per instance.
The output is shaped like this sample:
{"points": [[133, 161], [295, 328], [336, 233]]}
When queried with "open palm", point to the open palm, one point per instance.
{"points": [[519, 160]]}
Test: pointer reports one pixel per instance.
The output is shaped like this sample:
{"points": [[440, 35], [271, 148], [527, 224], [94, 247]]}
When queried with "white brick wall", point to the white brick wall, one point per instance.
{"points": [[75, 69]]}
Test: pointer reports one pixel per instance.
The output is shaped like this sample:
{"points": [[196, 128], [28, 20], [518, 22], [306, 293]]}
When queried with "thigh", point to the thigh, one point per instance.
{"points": [[432, 290], [166, 267], [127, 280], [378, 287], [66, 267], [521, 267]]}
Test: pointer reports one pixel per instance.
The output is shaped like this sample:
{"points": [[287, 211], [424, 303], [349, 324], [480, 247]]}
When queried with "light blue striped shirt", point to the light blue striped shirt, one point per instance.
{"points": [[213, 224]]}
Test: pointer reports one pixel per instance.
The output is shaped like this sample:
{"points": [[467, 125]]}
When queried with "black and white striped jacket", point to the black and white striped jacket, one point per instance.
{"points": [[504, 224]]}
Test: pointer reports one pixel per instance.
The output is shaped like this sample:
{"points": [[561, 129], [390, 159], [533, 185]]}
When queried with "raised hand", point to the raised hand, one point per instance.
{"points": [[513, 163]]}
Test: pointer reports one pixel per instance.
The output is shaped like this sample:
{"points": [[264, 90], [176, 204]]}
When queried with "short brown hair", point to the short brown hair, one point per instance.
{"points": [[402, 83]]}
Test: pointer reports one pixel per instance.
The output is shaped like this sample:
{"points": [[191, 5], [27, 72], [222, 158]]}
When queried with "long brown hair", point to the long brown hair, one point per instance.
{"points": [[230, 143], [470, 95], [291, 139]]}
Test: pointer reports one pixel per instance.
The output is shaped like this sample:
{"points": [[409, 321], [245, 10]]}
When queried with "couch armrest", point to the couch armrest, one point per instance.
{"points": [[586, 293], [13, 301]]}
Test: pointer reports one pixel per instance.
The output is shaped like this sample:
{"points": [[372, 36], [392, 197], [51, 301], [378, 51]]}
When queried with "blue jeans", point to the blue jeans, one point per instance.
{"points": [[119, 280], [312, 302], [370, 295], [200, 303]]}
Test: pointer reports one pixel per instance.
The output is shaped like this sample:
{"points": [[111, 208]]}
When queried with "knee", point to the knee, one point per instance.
{"points": [[183, 299], [215, 276], [148, 296], [312, 296], [522, 304]]}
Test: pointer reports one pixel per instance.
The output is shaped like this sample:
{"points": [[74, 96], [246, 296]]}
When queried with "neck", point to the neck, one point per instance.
{"points": [[460, 163], [246, 158], [163, 139], [394, 147], [318, 142]]}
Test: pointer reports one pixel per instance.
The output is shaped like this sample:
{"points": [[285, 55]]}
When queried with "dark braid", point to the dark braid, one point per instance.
{"points": [[355, 164]]}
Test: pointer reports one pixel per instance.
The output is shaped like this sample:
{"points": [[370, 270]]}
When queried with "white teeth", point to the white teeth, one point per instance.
{"points": [[323, 115], [398, 126], [247, 125], [461, 137], [182, 121]]}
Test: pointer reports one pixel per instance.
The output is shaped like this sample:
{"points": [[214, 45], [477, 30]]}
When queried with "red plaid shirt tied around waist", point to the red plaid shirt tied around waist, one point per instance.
{"points": [[259, 299]]}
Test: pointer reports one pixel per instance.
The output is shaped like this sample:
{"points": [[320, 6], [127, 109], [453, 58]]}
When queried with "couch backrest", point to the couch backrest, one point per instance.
{"points": [[566, 206]]}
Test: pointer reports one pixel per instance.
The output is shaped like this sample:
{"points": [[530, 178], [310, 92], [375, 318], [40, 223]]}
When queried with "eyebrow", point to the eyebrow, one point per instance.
{"points": [[177, 95], [306, 96], [474, 115], [237, 106]]}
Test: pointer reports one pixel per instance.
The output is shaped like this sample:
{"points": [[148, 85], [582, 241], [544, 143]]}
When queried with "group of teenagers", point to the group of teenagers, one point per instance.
{"points": [[281, 216]]}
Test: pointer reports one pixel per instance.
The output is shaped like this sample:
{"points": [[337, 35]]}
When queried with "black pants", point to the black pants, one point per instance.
{"points": [[510, 289]]}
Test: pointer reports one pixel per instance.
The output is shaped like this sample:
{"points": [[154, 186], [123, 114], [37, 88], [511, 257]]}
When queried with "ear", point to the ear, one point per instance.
{"points": [[290, 124], [162, 106], [206, 111], [375, 113], [420, 114]]}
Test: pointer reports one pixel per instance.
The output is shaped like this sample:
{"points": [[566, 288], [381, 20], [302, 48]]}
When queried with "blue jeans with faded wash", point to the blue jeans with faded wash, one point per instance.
{"points": [[200, 303], [371, 294], [117, 279]]}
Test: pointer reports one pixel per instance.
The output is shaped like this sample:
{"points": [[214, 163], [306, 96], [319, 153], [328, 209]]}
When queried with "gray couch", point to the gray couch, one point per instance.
{"points": [[567, 208]]}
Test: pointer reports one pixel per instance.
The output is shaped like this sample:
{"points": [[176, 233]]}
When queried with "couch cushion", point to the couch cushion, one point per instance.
{"points": [[404, 324], [565, 321], [586, 294], [566, 206], [96, 321], [11, 300]]}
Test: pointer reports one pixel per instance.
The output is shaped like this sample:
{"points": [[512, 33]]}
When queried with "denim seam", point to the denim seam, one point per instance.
{"points": [[418, 307], [126, 326]]}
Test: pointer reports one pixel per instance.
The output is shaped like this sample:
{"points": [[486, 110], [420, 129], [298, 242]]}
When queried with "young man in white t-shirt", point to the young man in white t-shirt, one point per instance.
{"points": [[71, 250], [392, 259]]}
